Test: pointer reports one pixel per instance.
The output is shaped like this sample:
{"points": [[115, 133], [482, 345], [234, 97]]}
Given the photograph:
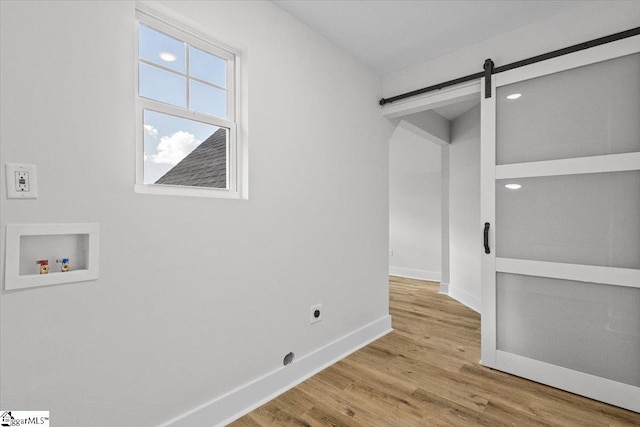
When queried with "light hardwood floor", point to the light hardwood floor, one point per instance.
{"points": [[426, 373]]}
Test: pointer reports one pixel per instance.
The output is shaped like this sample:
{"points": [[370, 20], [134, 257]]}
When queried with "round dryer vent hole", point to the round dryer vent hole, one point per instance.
{"points": [[288, 359]]}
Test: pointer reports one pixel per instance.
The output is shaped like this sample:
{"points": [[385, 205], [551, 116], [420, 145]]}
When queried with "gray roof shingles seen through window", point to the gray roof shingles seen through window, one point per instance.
{"points": [[206, 166]]}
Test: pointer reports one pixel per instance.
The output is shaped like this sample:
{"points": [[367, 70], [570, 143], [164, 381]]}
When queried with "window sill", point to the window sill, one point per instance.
{"points": [[172, 190]]}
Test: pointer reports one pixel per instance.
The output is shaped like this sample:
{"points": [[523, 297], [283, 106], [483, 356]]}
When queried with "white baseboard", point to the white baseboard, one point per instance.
{"points": [[444, 288], [411, 273], [464, 297], [233, 405]]}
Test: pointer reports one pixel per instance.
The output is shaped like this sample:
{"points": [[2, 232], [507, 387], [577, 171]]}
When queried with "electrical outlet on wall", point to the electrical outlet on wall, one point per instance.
{"points": [[22, 181], [316, 313]]}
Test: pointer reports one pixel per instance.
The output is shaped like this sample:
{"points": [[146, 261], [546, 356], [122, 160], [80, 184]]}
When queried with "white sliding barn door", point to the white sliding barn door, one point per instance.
{"points": [[561, 284]]}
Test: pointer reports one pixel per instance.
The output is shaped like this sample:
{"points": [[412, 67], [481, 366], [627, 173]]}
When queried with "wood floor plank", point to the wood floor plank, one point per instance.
{"points": [[426, 373], [340, 403]]}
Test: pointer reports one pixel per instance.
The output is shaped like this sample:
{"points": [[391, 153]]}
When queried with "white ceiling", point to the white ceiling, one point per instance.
{"points": [[391, 35]]}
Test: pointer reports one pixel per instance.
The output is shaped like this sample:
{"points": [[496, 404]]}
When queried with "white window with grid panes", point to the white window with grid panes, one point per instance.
{"points": [[186, 112]]}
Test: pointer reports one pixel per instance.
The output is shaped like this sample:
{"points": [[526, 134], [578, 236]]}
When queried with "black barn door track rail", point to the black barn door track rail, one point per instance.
{"points": [[490, 69]]}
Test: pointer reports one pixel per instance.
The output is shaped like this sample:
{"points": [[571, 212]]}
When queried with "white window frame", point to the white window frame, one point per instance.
{"points": [[162, 22]]}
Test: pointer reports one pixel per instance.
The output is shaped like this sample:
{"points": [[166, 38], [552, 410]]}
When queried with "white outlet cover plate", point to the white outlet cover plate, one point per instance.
{"points": [[12, 169]]}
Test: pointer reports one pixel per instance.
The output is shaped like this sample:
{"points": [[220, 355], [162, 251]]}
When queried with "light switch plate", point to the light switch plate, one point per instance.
{"points": [[22, 181]]}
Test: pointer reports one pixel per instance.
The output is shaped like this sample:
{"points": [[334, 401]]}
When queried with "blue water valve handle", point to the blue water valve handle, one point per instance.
{"points": [[64, 264]]}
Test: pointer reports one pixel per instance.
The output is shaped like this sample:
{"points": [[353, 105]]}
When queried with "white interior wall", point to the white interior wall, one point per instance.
{"points": [[414, 206], [196, 297], [465, 233], [444, 221]]}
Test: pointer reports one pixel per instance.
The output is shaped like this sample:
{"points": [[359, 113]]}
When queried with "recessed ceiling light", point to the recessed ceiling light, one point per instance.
{"points": [[513, 186], [167, 56], [514, 96]]}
